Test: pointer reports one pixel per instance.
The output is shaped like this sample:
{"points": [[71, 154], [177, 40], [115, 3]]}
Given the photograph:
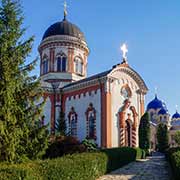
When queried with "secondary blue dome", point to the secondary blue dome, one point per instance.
{"points": [[163, 112], [156, 104], [176, 115]]}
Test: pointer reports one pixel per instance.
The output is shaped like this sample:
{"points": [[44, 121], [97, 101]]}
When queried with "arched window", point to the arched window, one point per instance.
{"points": [[78, 65], [91, 122], [72, 122], [61, 63], [45, 66]]}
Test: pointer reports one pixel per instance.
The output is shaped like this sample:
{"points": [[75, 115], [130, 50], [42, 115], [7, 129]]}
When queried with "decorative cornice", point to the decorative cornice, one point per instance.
{"points": [[134, 75], [63, 40], [82, 85]]}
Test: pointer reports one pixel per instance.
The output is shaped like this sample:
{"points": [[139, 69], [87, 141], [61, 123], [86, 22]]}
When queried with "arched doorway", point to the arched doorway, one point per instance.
{"points": [[128, 133]]}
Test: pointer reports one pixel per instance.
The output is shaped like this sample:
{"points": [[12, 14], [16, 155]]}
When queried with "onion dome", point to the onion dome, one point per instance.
{"points": [[156, 104], [176, 115], [64, 28], [163, 112]]}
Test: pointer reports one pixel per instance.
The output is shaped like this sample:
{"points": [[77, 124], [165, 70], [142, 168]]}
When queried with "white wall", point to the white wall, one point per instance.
{"points": [[80, 105], [118, 102], [47, 112]]}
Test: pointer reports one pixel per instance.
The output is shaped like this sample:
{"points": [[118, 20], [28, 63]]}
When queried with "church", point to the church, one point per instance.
{"points": [[106, 107], [158, 113]]}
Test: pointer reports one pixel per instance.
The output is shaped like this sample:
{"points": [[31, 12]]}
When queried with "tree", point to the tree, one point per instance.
{"points": [[177, 137], [162, 137], [20, 133], [144, 132], [60, 126]]}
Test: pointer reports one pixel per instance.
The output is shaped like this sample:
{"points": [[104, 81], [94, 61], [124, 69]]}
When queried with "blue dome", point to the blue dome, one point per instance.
{"points": [[156, 104], [163, 111], [176, 115]]}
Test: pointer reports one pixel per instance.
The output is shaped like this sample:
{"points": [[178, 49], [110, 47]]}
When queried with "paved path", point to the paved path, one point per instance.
{"points": [[153, 168]]}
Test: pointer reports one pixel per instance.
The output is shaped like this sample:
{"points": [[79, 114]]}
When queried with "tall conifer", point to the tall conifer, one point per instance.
{"points": [[21, 134], [144, 132]]}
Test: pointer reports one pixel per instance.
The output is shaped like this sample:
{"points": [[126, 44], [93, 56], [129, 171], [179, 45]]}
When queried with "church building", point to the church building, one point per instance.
{"points": [[158, 113], [106, 107]]}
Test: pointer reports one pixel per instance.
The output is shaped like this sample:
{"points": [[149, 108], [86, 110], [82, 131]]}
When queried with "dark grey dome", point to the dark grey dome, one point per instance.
{"points": [[64, 28]]}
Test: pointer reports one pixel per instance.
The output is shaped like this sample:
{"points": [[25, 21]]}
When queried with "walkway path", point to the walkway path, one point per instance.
{"points": [[153, 168]]}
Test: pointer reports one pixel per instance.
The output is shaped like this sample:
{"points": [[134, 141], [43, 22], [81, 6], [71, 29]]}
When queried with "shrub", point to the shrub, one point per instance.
{"points": [[82, 166], [177, 138], [63, 145], [88, 166], [173, 156], [19, 171], [90, 144], [144, 132], [162, 137], [117, 157]]}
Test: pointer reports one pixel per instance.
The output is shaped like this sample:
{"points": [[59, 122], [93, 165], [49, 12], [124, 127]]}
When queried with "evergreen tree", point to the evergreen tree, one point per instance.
{"points": [[162, 137], [60, 126], [177, 137], [20, 133], [144, 132]]}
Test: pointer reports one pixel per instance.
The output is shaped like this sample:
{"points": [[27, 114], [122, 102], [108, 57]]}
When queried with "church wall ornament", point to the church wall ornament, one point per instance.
{"points": [[72, 121], [91, 122]]}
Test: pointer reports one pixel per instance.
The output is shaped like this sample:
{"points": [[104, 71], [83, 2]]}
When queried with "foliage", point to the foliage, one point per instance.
{"points": [[90, 144], [144, 132], [60, 125], [177, 137], [20, 133], [82, 166], [118, 157], [62, 145], [173, 156], [162, 137], [87, 166]]}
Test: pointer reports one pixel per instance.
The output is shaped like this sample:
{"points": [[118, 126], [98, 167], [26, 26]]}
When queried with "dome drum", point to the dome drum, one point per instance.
{"points": [[62, 42]]}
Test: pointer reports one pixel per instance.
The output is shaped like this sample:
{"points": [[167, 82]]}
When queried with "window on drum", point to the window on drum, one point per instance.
{"points": [[78, 63], [61, 63], [45, 66]]}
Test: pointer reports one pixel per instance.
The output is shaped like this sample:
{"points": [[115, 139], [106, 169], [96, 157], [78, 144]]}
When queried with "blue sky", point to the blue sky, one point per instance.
{"points": [[150, 28]]}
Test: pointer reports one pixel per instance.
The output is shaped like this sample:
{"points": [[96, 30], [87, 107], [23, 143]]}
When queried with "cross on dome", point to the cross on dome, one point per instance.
{"points": [[124, 50], [65, 9], [176, 108], [156, 91]]}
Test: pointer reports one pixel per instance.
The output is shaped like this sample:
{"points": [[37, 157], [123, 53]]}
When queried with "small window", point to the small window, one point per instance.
{"points": [[45, 66], [61, 63], [78, 65]]}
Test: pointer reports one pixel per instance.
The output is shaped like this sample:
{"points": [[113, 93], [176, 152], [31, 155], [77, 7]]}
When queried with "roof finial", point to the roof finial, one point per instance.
{"points": [[124, 50], [65, 9], [156, 89], [176, 108]]}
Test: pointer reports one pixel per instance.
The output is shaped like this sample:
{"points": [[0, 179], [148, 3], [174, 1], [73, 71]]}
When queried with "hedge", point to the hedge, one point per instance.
{"points": [[82, 166], [118, 157], [173, 156]]}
